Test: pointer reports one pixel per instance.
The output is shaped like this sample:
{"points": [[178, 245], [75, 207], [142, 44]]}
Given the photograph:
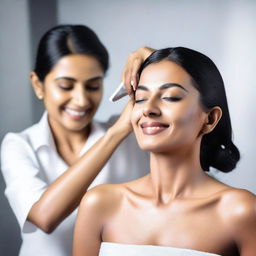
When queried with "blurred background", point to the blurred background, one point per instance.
{"points": [[225, 30]]}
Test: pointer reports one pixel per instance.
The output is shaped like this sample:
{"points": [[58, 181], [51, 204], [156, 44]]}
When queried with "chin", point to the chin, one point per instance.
{"points": [[77, 125], [153, 147], [160, 146]]}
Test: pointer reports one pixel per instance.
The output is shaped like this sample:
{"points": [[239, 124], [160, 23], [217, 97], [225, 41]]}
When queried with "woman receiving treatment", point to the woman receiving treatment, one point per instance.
{"points": [[181, 117], [45, 167]]}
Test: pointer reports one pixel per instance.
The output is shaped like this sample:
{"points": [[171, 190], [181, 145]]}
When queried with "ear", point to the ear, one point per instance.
{"points": [[212, 119], [37, 85]]}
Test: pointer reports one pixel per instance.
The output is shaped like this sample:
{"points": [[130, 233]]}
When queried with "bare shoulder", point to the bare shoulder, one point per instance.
{"points": [[238, 206], [109, 196], [101, 195], [103, 200]]}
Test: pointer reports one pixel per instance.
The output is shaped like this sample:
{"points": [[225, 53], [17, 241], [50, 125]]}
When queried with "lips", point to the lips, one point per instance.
{"points": [[152, 128]]}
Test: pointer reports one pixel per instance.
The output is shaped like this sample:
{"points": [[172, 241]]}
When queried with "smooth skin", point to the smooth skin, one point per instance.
{"points": [[71, 93], [177, 204]]}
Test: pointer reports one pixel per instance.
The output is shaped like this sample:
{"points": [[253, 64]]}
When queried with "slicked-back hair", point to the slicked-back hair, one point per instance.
{"points": [[65, 40]]}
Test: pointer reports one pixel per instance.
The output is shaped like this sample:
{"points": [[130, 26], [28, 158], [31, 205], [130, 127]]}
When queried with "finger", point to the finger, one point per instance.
{"points": [[134, 73], [132, 96]]}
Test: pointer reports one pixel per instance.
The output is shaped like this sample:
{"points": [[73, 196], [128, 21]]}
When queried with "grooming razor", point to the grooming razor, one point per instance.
{"points": [[119, 93]]}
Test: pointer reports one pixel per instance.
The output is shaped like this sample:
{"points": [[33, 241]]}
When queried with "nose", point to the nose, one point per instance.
{"points": [[151, 108], [80, 97]]}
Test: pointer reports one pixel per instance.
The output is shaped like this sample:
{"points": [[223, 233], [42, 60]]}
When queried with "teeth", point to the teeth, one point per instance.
{"points": [[153, 128], [74, 112]]}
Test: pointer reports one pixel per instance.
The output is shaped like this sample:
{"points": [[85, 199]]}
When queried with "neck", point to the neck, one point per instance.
{"points": [[67, 140], [175, 175]]}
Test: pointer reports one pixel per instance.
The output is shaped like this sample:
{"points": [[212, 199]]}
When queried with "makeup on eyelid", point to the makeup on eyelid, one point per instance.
{"points": [[169, 95]]}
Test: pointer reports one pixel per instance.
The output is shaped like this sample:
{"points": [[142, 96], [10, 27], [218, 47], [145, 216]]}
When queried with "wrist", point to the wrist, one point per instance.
{"points": [[118, 132]]}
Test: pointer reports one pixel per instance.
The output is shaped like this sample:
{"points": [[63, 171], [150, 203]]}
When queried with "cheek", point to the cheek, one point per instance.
{"points": [[189, 124], [54, 98], [185, 118], [57, 96], [184, 115], [52, 93], [93, 98], [135, 116]]}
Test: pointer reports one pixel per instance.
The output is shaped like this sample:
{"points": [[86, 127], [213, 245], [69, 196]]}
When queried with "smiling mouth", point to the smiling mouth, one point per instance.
{"points": [[152, 128], [76, 114]]}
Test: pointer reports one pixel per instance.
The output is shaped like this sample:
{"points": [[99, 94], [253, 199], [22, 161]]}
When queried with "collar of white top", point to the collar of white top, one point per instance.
{"points": [[42, 136]]}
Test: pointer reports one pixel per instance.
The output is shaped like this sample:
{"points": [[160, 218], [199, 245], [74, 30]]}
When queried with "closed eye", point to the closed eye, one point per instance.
{"points": [[65, 88], [139, 101], [92, 88], [172, 98]]}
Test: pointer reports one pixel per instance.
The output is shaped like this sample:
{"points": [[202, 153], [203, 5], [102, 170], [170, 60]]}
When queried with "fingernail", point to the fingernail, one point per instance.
{"points": [[133, 86]]}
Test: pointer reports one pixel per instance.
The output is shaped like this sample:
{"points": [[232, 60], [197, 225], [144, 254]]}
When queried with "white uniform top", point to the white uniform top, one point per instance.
{"points": [[30, 163], [115, 249]]}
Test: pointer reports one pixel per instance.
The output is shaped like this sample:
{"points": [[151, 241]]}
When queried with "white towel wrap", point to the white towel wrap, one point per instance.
{"points": [[116, 249]]}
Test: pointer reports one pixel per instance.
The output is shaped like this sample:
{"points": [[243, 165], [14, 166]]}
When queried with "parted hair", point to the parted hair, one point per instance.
{"points": [[65, 40], [217, 148]]}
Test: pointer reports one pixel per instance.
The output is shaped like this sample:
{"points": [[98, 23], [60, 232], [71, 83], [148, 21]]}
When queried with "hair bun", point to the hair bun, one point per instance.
{"points": [[223, 157]]}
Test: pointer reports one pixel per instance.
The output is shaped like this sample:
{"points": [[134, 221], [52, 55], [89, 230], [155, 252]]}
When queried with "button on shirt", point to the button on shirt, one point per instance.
{"points": [[30, 163]]}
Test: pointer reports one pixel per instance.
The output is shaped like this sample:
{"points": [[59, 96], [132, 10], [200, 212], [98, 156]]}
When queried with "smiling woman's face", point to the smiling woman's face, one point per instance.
{"points": [[72, 92], [167, 114]]}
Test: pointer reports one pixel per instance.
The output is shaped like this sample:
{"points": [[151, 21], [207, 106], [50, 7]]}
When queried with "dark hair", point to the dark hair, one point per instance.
{"points": [[217, 149], [65, 40]]}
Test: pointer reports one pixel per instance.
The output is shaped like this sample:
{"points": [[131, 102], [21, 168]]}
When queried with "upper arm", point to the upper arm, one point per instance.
{"points": [[244, 224], [21, 173], [89, 224]]}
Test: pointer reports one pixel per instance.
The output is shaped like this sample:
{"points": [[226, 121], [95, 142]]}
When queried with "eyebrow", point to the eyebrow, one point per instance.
{"points": [[162, 87], [75, 80]]}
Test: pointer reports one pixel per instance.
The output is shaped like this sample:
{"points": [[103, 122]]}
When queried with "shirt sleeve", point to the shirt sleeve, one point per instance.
{"points": [[21, 172]]}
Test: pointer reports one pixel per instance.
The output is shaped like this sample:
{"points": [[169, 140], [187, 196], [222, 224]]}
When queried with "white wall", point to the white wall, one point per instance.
{"points": [[223, 30], [15, 99], [15, 92]]}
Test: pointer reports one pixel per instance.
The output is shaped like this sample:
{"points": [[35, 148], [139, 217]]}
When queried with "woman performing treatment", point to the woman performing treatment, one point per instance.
{"points": [[180, 115], [48, 167]]}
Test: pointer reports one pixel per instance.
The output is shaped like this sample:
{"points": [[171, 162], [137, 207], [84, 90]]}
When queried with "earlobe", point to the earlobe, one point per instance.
{"points": [[213, 117], [37, 85]]}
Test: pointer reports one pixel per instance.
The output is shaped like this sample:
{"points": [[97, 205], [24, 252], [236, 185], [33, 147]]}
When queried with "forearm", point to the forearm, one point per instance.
{"points": [[64, 194]]}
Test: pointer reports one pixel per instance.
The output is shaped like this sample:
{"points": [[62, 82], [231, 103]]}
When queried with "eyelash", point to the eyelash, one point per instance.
{"points": [[138, 101], [65, 88], [91, 88], [172, 99], [88, 88]]}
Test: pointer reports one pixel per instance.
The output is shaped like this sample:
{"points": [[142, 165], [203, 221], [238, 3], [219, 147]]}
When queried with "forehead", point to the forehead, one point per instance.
{"points": [[156, 74], [77, 65]]}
